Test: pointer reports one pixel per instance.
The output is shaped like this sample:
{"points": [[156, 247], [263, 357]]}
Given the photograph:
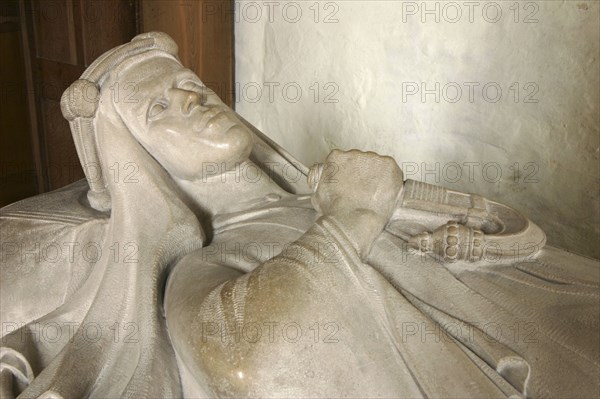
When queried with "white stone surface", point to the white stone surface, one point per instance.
{"points": [[371, 53]]}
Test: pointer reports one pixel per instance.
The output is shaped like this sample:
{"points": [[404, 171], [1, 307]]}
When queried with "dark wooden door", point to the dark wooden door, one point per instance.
{"points": [[17, 171], [62, 38]]}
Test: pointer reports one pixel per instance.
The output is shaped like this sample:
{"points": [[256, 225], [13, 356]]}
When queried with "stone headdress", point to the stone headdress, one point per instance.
{"points": [[79, 105]]}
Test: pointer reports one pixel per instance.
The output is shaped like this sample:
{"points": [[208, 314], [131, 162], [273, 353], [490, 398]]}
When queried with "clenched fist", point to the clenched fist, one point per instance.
{"points": [[359, 190]]}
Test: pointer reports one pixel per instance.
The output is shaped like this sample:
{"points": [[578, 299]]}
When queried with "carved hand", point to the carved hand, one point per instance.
{"points": [[359, 190]]}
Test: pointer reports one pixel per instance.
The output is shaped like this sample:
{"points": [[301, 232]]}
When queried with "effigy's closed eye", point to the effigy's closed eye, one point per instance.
{"points": [[156, 108]]}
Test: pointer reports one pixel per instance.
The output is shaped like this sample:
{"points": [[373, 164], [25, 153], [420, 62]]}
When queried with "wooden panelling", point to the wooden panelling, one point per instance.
{"points": [[17, 167], [69, 35], [62, 75], [105, 23], [15, 141], [54, 30], [62, 165]]}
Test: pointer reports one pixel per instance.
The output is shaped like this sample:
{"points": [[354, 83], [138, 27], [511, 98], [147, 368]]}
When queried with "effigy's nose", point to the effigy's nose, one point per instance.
{"points": [[192, 100], [187, 99]]}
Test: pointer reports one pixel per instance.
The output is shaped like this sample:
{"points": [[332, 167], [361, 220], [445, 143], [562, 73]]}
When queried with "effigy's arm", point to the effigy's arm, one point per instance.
{"points": [[447, 224], [317, 308]]}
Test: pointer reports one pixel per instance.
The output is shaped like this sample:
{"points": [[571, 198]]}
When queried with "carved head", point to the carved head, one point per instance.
{"points": [[179, 121]]}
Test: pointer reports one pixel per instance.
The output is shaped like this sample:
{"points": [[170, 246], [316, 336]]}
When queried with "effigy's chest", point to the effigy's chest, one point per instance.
{"points": [[245, 241]]}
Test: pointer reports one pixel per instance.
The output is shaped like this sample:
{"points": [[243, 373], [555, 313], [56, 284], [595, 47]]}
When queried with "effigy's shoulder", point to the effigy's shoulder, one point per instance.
{"points": [[49, 244]]}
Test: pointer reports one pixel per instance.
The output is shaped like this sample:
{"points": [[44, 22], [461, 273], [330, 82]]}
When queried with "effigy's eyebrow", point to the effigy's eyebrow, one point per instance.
{"points": [[186, 74]]}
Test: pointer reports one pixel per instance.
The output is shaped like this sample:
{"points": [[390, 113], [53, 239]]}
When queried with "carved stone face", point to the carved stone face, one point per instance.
{"points": [[179, 121]]}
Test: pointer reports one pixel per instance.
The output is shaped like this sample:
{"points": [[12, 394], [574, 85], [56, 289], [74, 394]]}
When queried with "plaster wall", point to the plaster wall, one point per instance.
{"points": [[499, 98]]}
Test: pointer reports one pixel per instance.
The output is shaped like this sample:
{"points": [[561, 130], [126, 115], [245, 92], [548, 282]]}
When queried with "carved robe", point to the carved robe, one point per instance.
{"points": [[401, 324]]}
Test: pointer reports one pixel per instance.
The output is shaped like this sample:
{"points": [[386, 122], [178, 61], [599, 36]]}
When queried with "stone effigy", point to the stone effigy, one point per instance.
{"points": [[198, 259]]}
